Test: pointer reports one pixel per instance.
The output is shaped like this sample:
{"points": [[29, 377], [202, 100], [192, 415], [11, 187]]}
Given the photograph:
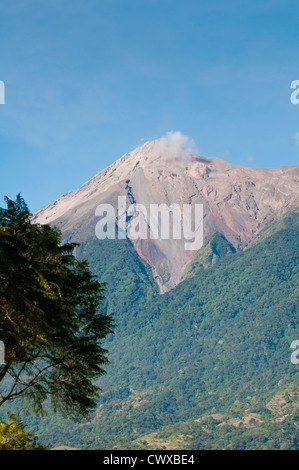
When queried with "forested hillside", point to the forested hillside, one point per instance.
{"points": [[206, 365]]}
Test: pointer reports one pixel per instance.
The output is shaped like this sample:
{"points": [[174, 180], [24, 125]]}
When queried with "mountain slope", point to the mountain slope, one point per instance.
{"points": [[216, 248], [210, 355], [237, 201], [214, 350]]}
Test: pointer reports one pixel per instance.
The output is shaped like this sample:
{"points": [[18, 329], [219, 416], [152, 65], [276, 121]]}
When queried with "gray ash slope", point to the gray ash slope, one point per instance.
{"points": [[238, 201]]}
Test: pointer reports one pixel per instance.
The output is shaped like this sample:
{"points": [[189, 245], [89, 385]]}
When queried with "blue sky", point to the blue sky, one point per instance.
{"points": [[87, 81]]}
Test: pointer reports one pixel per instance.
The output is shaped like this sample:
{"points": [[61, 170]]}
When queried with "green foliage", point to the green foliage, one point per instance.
{"points": [[50, 317], [222, 432], [217, 344], [15, 436], [214, 250], [128, 280]]}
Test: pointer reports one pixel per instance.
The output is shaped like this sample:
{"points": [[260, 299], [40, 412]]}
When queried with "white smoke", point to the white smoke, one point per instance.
{"points": [[173, 145]]}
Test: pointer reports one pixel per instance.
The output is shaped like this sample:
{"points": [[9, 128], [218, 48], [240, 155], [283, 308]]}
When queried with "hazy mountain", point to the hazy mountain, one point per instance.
{"points": [[237, 201]]}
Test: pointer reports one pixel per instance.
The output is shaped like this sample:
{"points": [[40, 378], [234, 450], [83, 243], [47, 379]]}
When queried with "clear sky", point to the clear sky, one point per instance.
{"points": [[89, 80]]}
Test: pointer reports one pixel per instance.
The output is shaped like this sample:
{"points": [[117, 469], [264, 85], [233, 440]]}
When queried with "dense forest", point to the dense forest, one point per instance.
{"points": [[203, 366]]}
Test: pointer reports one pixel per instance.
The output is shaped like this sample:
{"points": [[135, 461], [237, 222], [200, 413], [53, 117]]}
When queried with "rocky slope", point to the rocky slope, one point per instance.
{"points": [[237, 201]]}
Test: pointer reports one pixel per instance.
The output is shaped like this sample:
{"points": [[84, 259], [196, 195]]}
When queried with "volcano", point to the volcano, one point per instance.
{"points": [[238, 201]]}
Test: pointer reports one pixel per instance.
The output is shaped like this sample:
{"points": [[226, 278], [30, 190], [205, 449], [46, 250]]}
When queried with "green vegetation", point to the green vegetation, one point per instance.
{"points": [[51, 321], [204, 366], [15, 436], [216, 248], [240, 429]]}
